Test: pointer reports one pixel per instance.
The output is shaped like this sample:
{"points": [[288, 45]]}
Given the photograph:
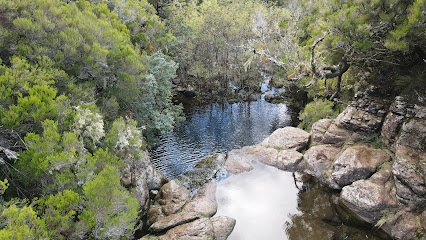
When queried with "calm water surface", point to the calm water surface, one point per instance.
{"points": [[217, 128]]}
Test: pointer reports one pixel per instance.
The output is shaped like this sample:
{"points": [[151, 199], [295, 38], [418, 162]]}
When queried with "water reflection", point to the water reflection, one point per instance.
{"points": [[217, 128], [261, 201]]}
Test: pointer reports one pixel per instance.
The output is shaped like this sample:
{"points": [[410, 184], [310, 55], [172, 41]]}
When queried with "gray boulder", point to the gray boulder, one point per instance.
{"points": [[367, 199], [201, 229], [356, 163], [319, 129], [169, 200], [287, 160], [319, 161], [287, 138], [204, 201], [222, 227], [167, 222], [407, 227]]}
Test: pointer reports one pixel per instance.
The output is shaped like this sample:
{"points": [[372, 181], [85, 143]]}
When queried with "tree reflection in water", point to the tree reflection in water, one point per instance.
{"points": [[321, 216]]}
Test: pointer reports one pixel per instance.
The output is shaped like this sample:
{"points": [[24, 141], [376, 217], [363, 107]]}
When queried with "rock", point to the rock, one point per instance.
{"points": [[173, 220], [201, 229], [319, 129], [420, 111], [287, 138], [306, 227], [391, 127], [407, 197], [336, 135], [141, 193], [239, 160], [382, 175], [287, 160], [358, 119], [410, 168], [319, 161], [367, 199], [406, 227], [222, 227], [172, 197], [169, 200], [356, 163], [204, 171], [413, 134], [204, 201]]}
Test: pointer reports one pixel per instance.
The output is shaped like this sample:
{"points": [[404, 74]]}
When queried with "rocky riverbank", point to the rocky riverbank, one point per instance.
{"points": [[373, 153]]}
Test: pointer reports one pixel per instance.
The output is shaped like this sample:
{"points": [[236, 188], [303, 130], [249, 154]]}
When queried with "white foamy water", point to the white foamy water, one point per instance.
{"points": [[260, 200]]}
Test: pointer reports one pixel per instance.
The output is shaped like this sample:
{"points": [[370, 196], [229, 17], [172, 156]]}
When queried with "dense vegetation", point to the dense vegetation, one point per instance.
{"points": [[84, 83]]}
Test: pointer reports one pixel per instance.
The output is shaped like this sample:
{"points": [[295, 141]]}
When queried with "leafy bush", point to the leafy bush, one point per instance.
{"points": [[314, 111]]}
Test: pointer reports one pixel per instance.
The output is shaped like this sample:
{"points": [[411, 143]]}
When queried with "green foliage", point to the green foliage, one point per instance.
{"points": [[314, 111], [103, 44], [111, 212], [22, 224], [58, 212], [3, 186]]}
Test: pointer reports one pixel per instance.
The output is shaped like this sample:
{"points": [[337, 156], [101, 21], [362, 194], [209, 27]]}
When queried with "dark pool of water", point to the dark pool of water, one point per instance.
{"points": [[217, 128]]}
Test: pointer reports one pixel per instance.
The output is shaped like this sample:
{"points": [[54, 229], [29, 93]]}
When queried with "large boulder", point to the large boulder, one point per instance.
{"points": [[367, 199], [239, 160], [201, 229], [407, 227], [204, 201], [167, 222], [318, 130], [287, 160], [319, 161], [356, 163], [169, 200], [287, 138], [222, 227]]}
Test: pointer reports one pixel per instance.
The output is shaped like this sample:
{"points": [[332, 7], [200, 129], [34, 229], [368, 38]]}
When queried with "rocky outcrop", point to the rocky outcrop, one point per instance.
{"points": [[356, 163], [174, 216], [384, 187], [367, 199]]}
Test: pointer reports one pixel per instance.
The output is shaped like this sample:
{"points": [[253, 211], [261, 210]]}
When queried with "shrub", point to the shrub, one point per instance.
{"points": [[314, 111]]}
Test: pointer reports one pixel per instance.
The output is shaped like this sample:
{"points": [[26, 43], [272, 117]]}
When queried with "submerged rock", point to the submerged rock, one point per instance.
{"points": [[356, 163], [239, 160], [287, 138]]}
